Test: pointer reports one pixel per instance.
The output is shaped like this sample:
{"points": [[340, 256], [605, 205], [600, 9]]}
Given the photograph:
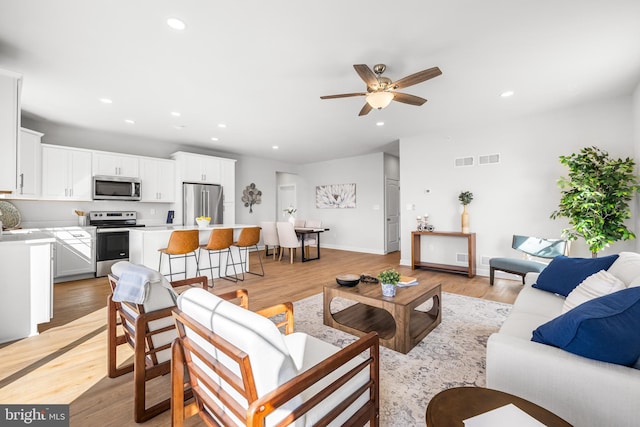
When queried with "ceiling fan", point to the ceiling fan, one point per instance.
{"points": [[380, 90]]}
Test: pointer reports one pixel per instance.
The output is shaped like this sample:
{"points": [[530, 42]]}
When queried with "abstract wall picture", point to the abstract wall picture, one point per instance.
{"points": [[251, 196], [336, 196]]}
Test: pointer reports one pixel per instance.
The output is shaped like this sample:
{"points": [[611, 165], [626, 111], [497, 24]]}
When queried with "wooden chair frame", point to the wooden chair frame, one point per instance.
{"points": [[259, 408], [136, 333]]}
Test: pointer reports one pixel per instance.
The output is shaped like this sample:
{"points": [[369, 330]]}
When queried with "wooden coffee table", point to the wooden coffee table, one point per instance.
{"points": [[451, 407], [395, 319]]}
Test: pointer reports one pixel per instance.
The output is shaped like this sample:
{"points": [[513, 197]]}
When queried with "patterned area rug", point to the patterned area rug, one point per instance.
{"points": [[452, 355]]}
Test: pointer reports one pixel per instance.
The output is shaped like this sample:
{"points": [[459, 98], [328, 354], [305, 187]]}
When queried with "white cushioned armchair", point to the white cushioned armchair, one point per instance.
{"points": [[244, 371]]}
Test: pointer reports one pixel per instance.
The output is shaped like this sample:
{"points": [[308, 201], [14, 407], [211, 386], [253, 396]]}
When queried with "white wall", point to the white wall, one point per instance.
{"points": [[636, 145], [360, 229], [513, 197]]}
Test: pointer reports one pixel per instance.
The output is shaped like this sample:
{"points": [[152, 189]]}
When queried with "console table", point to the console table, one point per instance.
{"points": [[470, 269]]}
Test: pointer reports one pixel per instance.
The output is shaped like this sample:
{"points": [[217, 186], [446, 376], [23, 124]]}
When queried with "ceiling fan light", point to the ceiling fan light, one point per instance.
{"points": [[379, 99]]}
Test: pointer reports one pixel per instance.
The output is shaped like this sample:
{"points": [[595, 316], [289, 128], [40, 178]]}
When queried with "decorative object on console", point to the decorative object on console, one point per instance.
{"points": [[389, 281], [595, 198], [336, 196], [465, 198], [10, 215], [251, 196]]}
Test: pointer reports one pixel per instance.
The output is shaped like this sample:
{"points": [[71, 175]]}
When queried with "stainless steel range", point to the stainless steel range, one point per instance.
{"points": [[112, 237]]}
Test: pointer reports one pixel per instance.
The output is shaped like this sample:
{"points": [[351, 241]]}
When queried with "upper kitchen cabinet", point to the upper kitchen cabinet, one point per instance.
{"points": [[10, 84], [158, 178], [115, 164], [66, 173], [29, 163], [197, 168], [228, 179]]}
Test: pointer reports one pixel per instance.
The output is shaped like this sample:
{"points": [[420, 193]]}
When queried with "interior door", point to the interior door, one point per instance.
{"points": [[286, 198], [392, 213]]}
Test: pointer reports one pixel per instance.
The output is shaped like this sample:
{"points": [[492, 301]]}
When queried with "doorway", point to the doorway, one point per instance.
{"points": [[392, 215]]}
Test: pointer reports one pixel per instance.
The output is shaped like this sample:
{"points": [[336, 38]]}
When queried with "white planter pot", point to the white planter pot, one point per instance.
{"points": [[388, 290]]}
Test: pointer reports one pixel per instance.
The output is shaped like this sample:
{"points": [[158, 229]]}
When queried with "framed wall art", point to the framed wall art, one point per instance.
{"points": [[336, 196]]}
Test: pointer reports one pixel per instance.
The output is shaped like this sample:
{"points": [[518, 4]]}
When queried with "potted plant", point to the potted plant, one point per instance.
{"points": [[389, 280], [465, 198], [595, 198]]}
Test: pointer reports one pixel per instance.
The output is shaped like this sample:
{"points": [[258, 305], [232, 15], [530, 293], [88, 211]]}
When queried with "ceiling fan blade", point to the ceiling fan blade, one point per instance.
{"points": [[365, 110], [408, 99], [367, 75], [343, 95], [416, 78]]}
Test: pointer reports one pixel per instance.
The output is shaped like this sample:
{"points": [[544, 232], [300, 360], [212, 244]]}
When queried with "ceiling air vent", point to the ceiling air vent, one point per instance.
{"points": [[489, 159], [464, 162]]}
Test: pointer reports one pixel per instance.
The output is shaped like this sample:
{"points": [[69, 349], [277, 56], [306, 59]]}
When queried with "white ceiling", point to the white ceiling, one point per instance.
{"points": [[260, 66]]}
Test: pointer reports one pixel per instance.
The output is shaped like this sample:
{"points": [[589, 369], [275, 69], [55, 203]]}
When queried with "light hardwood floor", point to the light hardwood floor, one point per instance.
{"points": [[67, 364]]}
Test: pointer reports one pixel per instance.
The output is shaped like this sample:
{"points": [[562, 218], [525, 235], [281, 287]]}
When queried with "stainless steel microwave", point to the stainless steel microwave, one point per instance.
{"points": [[116, 188]]}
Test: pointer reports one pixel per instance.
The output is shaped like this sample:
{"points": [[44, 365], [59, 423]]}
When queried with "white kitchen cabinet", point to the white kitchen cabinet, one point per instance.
{"points": [[10, 84], [75, 251], [198, 168], [158, 180], [66, 173], [115, 165], [29, 163], [228, 179], [228, 213]]}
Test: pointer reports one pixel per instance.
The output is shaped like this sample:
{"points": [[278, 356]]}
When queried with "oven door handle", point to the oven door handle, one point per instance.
{"points": [[111, 230]]}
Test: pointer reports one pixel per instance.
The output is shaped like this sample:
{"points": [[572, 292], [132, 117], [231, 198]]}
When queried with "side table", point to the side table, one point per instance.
{"points": [[451, 407]]}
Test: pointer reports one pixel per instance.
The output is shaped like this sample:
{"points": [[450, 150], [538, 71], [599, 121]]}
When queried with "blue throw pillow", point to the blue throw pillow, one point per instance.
{"points": [[605, 328], [564, 274]]}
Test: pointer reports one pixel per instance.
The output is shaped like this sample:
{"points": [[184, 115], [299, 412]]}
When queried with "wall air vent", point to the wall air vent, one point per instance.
{"points": [[464, 258], [489, 159], [463, 162], [485, 260]]}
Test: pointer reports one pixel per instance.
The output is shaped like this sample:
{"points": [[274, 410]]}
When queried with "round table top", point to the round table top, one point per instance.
{"points": [[452, 406]]}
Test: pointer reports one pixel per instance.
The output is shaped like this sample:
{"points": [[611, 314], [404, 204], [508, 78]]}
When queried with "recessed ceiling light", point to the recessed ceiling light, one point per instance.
{"points": [[507, 94], [222, 125], [176, 24], [275, 147], [130, 122], [106, 101], [380, 124], [179, 127], [175, 114], [213, 138]]}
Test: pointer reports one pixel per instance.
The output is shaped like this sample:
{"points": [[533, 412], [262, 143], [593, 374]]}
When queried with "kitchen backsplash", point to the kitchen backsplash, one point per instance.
{"points": [[38, 214]]}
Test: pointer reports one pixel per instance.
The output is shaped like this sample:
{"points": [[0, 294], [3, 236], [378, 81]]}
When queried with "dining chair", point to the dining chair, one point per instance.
{"points": [[288, 239], [299, 223], [270, 238], [312, 239]]}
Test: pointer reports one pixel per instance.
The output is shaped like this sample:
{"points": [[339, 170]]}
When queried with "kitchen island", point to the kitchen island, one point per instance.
{"points": [[26, 283], [144, 243]]}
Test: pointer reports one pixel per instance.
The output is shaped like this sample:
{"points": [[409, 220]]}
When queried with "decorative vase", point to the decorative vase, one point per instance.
{"points": [[465, 220], [292, 219], [388, 290]]}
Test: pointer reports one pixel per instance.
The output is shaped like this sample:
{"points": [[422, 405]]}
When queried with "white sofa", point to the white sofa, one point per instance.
{"points": [[583, 391]]}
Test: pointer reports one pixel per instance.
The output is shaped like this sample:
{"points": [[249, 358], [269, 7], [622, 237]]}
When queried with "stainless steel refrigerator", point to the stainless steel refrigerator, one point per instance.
{"points": [[201, 200]]}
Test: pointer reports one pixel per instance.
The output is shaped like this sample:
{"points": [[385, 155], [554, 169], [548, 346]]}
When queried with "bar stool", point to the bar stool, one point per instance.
{"points": [[249, 237], [220, 240], [182, 244]]}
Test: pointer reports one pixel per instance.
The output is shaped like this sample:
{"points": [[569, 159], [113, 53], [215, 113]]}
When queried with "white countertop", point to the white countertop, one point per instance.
{"points": [[26, 237], [170, 227]]}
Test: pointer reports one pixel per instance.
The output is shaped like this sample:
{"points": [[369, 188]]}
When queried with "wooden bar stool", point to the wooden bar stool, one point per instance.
{"points": [[249, 237], [182, 244], [220, 240]]}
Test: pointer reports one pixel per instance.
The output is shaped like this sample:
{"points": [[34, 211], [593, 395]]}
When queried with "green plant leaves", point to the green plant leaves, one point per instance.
{"points": [[595, 197]]}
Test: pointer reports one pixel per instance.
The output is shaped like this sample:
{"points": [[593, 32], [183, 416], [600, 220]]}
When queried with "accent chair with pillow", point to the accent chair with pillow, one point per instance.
{"points": [[571, 343], [143, 301]]}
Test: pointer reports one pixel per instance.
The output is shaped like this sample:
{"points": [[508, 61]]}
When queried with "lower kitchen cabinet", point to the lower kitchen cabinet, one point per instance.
{"points": [[75, 252]]}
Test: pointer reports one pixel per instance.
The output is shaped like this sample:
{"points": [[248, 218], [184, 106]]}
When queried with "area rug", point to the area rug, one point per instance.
{"points": [[452, 355]]}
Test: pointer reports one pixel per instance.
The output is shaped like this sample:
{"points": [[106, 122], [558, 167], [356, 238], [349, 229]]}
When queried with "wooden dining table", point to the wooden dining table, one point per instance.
{"points": [[304, 232]]}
